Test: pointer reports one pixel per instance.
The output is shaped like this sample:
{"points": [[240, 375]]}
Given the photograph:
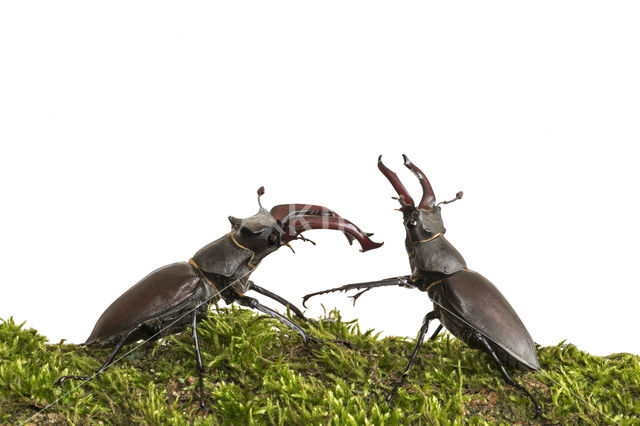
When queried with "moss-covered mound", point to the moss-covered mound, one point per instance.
{"points": [[258, 371]]}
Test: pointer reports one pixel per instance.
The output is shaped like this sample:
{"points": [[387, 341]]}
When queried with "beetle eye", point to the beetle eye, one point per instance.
{"points": [[272, 239], [412, 223]]}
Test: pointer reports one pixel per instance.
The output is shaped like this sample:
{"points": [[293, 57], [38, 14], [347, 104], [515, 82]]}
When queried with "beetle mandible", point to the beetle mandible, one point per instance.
{"points": [[174, 296], [465, 302]]}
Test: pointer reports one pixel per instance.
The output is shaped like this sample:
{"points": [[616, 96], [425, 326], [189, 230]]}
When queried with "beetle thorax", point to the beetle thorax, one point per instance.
{"points": [[429, 251]]}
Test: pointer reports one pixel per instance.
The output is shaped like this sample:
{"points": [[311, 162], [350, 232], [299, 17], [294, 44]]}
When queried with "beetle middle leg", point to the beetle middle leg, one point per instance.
{"points": [[250, 302], [435, 333], [106, 364], [488, 349], [280, 300], [423, 331]]}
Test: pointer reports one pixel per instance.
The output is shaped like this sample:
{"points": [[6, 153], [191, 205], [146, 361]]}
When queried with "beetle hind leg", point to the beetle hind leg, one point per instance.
{"points": [[488, 349], [198, 359], [63, 379], [104, 366], [423, 331]]}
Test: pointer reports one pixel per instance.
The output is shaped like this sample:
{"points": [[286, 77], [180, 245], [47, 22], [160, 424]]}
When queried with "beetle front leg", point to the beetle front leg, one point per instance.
{"points": [[401, 281], [199, 359], [279, 299], [423, 331], [250, 302], [106, 364], [488, 349]]}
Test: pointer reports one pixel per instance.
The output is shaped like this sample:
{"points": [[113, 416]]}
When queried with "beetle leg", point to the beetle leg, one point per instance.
{"points": [[401, 281], [423, 330], [435, 333], [488, 349], [357, 295], [199, 359], [106, 364], [250, 302], [280, 300]]}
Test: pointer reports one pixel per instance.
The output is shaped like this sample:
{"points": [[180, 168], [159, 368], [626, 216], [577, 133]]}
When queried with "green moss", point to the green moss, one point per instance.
{"points": [[258, 371]]}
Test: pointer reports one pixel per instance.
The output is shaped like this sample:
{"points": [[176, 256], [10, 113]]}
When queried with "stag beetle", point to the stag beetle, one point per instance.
{"points": [[172, 297], [465, 302]]}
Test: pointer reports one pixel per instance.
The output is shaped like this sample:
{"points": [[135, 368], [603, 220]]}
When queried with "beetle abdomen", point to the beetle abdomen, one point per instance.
{"points": [[150, 302], [474, 299]]}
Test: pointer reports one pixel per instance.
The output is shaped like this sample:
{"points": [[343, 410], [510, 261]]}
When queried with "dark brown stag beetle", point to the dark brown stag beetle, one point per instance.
{"points": [[170, 298], [465, 302]]}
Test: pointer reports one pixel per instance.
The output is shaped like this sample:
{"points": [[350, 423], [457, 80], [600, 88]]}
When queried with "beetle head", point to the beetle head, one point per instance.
{"points": [[267, 231], [260, 233], [424, 221]]}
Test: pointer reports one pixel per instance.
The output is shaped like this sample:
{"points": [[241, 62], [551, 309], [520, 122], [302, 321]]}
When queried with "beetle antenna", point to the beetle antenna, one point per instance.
{"points": [[260, 194], [459, 195], [403, 203]]}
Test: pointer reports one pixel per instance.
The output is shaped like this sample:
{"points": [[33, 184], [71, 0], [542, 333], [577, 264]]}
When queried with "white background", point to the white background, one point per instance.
{"points": [[130, 131]]}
